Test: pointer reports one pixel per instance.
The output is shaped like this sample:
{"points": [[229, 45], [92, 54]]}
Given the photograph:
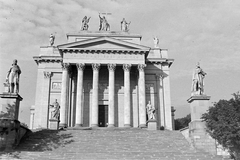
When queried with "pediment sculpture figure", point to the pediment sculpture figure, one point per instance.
{"points": [[13, 77], [150, 111], [156, 42], [51, 39], [85, 22], [104, 25], [125, 25], [197, 81]]}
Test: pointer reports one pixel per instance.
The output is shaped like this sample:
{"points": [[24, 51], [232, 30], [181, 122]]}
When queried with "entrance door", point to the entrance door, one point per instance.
{"points": [[102, 115]]}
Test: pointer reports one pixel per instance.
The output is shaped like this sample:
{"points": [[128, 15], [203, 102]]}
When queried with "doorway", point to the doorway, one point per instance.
{"points": [[103, 115]]}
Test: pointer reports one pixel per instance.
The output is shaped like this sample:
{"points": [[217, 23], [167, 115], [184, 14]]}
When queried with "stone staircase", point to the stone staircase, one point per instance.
{"points": [[104, 143]]}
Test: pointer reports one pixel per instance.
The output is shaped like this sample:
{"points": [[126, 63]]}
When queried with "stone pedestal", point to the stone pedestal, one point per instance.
{"points": [[199, 105], [54, 124], [152, 124], [200, 139], [10, 105]]}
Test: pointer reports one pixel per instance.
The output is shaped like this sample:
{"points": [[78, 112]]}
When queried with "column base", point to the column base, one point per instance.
{"points": [[78, 125], [94, 125], [111, 125], [142, 126], [127, 125]]}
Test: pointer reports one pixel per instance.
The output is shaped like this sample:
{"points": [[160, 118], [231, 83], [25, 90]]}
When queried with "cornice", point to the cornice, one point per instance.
{"points": [[103, 50], [160, 61], [47, 59]]}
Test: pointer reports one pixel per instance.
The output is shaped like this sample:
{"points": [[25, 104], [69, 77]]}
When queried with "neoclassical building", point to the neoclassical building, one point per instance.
{"points": [[102, 79]]}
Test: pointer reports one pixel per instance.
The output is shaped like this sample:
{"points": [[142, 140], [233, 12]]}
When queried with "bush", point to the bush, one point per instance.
{"points": [[223, 124]]}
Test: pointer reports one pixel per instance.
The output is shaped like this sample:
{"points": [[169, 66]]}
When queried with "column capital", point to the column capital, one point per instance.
{"points": [[127, 67], [65, 66], [96, 66], [47, 75], [111, 67], [159, 76], [80, 66], [141, 67]]}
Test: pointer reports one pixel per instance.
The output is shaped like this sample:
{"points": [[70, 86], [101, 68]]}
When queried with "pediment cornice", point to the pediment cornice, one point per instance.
{"points": [[98, 44]]}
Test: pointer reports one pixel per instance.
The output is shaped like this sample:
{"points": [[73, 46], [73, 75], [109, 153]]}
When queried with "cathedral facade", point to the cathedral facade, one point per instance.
{"points": [[102, 79]]}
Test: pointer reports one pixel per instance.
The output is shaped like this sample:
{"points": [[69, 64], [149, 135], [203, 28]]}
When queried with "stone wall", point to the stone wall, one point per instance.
{"points": [[11, 132]]}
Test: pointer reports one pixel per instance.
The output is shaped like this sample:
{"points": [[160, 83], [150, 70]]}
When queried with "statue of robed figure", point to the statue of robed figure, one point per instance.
{"points": [[197, 81], [85, 22]]}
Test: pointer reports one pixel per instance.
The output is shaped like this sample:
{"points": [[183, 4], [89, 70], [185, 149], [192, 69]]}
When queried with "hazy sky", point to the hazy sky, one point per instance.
{"points": [[192, 31]]}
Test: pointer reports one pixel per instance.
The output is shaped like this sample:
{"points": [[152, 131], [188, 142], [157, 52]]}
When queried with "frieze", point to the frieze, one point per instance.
{"points": [[104, 56]]}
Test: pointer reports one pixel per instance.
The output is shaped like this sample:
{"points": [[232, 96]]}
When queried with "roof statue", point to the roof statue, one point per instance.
{"points": [[85, 22], [12, 77], [125, 25], [197, 81], [156, 42], [104, 25], [51, 39]]}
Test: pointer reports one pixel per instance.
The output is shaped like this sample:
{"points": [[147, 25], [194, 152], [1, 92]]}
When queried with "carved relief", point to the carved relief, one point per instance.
{"points": [[56, 85], [96, 66], [141, 67], [127, 67], [111, 67], [80, 66], [47, 74]]}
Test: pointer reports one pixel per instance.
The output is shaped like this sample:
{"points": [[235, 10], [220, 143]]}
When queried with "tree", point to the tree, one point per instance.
{"points": [[223, 124], [182, 122], [10, 111]]}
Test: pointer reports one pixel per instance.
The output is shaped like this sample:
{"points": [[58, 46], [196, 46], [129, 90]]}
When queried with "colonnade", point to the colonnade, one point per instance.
{"points": [[111, 99]]}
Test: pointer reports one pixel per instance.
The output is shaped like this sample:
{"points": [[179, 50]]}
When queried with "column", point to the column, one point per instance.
{"points": [[142, 96], [79, 106], [96, 67], [64, 95], [111, 94], [161, 99], [127, 109]]}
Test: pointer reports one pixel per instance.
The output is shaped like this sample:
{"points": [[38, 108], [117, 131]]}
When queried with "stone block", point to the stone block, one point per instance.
{"points": [[53, 124], [152, 124]]}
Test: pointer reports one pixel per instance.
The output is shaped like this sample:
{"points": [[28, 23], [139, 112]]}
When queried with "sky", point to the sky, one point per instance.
{"points": [[193, 31]]}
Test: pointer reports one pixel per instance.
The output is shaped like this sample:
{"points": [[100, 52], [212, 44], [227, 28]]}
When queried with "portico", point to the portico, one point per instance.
{"points": [[103, 74]]}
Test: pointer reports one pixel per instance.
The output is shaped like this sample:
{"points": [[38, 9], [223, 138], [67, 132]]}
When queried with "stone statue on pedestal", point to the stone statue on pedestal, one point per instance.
{"points": [[13, 76], [51, 39], [55, 110], [197, 81], [125, 25], [150, 111], [85, 22]]}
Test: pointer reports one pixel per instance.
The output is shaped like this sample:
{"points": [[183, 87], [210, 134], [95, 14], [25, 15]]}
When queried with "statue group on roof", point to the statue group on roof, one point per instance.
{"points": [[103, 26]]}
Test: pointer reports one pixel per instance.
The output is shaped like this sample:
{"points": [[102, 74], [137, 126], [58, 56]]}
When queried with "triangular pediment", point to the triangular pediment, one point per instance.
{"points": [[103, 43]]}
